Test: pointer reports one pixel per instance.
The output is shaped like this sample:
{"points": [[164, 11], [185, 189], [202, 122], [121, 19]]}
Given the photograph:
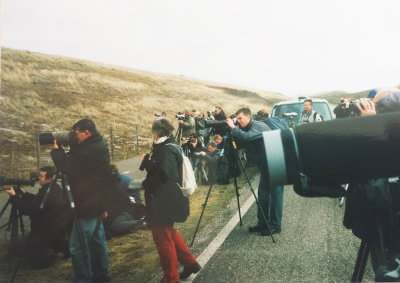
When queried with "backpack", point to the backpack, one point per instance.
{"points": [[315, 116], [275, 123], [188, 179]]}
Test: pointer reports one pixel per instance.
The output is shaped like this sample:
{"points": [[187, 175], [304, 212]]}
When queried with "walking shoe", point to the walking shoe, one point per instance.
{"points": [[187, 271], [257, 228], [266, 232]]}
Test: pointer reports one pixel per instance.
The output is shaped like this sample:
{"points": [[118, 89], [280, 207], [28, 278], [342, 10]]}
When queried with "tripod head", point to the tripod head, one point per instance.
{"points": [[232, 155]]}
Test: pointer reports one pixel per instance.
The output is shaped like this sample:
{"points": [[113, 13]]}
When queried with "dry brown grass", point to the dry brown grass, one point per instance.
{"points": [[43, 92]]}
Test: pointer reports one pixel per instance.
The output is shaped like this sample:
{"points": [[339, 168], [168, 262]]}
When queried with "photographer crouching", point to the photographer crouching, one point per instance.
{"points": [[165, 202], [249, 135], [49, 227], [87, 166]]}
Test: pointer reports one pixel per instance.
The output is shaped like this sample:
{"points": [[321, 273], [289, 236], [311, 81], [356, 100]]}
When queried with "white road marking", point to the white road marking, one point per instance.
{"points": [[205, 256]]}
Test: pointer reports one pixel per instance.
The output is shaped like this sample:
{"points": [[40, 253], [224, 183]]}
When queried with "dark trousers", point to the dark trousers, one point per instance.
{"points": [[171, 250]]}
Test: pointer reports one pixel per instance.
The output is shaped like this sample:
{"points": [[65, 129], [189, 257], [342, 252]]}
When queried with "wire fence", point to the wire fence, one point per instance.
{"points": [[19, 157]]}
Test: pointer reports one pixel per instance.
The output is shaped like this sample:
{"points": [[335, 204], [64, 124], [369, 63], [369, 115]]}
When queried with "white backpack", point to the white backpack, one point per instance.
{"points": [[188, 179]]}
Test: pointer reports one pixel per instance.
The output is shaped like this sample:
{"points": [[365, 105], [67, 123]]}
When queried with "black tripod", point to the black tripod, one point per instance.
{"points": [[12, 225], [178, 134], [14, 219], [233, 151], [199, 166]]}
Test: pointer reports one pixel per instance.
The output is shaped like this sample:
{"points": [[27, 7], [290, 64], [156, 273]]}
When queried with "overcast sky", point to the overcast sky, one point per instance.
{"points": [[289, 46]]}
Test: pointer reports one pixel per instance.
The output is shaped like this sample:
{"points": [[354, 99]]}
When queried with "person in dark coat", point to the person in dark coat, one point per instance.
{"points": [[49, 226], [87, 167], [222, 130], [212, 159], [165, 203]]}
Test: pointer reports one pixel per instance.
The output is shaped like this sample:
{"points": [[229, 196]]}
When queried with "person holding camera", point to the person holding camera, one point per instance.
{"points": [[309, 115], [195, 146], [200, 126], [188, 125], [249, 135], [343, 109], [87, 167], [165, 202], [49, 226], [219, 115], [216, 164]]}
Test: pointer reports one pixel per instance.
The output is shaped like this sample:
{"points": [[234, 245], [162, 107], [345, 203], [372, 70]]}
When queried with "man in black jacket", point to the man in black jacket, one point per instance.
{"points": [[87, 167], [222, 130], [249, 135], [49, 226]]}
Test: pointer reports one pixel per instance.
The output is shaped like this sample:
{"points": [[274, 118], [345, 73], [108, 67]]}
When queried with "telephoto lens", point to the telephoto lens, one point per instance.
{"points": [[335, 152]]}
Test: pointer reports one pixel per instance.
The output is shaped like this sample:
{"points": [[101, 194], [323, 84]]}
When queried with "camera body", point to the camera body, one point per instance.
{"points": [[145, 163], [180, 116], [211, 112]]}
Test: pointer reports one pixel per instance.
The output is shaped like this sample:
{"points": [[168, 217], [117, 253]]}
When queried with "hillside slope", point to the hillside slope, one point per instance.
{"points": [[48, 93]]}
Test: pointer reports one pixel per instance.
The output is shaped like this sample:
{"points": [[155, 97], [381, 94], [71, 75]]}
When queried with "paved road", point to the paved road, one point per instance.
{"points": [[313, 247]]}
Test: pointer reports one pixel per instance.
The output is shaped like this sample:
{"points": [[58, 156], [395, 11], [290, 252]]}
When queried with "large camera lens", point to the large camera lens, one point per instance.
{"points": [[335, 152], [62, 137]]}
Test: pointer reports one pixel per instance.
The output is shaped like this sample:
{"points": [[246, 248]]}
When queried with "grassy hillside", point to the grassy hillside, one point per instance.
{"points": [[333, 97], [47, 93]]}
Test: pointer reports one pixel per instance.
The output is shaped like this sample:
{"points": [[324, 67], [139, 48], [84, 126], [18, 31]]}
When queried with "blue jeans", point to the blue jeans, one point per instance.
{"points": [[89, 250], [271, 202]]}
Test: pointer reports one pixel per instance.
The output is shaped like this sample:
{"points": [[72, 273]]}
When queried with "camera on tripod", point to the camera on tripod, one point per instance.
{"points": [[180, 116], [64, 138], [33, 177]]}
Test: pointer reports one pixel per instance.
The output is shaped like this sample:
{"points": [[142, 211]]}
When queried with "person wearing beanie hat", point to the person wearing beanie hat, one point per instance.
{"points": [[371, 94]]}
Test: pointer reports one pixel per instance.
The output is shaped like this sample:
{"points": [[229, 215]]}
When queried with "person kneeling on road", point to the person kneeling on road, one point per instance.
{"points": [[249, 135]]}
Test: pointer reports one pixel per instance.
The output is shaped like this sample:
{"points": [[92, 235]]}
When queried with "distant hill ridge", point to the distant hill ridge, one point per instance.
{"points": [[46, 93]]}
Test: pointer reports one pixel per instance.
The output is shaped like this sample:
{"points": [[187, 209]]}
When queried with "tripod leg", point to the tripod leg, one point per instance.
{"points": [[201, 215], [361, 262], [204, 174], [238, 201], [255, 197], [21, 225], [14, 224], [4, 208]]}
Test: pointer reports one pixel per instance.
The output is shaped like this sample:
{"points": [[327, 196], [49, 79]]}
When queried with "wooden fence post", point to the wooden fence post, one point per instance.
{"points": [[38, 153], [112, 143], [137, 140]]}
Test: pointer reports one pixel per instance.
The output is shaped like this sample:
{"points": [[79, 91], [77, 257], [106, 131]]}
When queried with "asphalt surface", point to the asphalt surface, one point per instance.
{"points": [[312, 247]]}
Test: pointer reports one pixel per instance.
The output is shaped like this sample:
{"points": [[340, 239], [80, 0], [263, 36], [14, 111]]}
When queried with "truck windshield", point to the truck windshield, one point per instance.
{"points": [[321, 107]]}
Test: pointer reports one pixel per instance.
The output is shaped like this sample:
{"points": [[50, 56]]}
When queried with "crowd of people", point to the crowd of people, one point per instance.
{"points": [[107, 202]]}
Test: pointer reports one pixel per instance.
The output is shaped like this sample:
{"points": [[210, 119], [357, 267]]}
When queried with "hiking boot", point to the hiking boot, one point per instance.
{"points": [[256, 229], [188, 270]]}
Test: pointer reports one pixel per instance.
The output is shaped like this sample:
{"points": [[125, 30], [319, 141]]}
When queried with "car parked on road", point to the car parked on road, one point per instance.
{"points": [[291, 111]]}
